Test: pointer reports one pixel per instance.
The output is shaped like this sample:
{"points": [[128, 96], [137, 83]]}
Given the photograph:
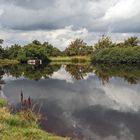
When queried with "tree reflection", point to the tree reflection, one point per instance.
{"points": [[30, 71], [129, 73], [1, 81], [78, 72]]}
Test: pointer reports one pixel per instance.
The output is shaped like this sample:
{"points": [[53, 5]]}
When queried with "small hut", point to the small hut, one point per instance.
{"points": [[34, 61]]}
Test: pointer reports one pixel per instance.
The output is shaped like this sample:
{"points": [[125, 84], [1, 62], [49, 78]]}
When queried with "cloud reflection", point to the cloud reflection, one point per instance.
{"points": [[85, 108]]}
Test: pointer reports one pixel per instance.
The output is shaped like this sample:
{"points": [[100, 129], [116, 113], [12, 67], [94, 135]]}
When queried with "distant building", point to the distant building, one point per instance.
{"points": [[34, 61]]}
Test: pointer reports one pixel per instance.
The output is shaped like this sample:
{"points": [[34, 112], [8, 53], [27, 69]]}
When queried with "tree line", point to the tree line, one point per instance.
{"points": [[127, 51], [78, 47], [33, 50]]}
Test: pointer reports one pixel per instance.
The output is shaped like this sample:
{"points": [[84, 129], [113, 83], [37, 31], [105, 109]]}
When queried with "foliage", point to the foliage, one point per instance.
{"points": [[1, 49], [50, 50], [78, 72], [103, 42], [32, 51], [2, 102], [77, 51], [78, 48], [118, 55], [7, 62], [29, 71], [36, 42], [1, 52], [71, 59], [22, 126], [13, 51], [1, 41], [131, 41], [130, 73], [123, 52]]}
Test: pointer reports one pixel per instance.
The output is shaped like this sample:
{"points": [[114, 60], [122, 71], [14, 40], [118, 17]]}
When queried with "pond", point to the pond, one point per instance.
{"points": [[81, 101]]}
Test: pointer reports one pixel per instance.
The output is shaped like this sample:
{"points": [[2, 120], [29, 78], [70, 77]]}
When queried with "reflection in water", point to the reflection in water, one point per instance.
{"points": [[104, 72], [32, 72], [129, 73], [84, 108], [1, 83], [78, 72]]}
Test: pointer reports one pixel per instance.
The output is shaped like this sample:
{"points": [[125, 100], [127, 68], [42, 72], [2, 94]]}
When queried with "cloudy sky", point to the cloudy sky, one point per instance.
{"points": [[61, 21]]}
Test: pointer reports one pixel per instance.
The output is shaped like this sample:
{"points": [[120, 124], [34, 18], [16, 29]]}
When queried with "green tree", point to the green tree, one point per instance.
{"points": [[13, 51], [78, 47], [103, 42], [131, 41], [1, 41], [32, 51], [51, 51], [36, 42], [1, 49], [56, 52], [75, 47], [48, 47]]}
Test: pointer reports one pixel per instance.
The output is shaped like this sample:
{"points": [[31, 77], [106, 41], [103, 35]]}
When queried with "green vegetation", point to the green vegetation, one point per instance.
{"points": [[35, 72], [103, 42], [118, 55], [22, 126], [71, 59], [104, 51], [78, 48], [130, 73], [125, 52], [34, 50], [8, 62], [77, 51], [79, 71], [2, 102]]}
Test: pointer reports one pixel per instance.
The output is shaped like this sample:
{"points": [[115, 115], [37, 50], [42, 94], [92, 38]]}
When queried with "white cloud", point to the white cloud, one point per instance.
{"points": [[62, 75], [124, 9], [60, 21]]}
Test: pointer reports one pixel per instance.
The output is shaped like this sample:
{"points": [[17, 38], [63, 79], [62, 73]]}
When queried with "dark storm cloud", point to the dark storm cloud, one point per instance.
{"points": [[54, 14], [31, 4], [29, 15]]}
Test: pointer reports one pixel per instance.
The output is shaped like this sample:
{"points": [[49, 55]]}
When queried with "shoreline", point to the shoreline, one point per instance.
{"points": [[22, 125], [8, 62]]}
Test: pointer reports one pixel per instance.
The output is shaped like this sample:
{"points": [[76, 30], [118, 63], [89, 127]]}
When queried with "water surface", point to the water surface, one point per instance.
{"points": [[83, 101]]}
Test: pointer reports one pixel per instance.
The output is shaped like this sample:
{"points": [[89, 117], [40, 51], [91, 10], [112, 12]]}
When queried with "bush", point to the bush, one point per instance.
{"points": [[118, 55], [103, 42]]}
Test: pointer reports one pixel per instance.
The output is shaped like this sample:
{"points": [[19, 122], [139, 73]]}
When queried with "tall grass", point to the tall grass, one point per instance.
{"points": [[7, 62], [71, 58], [22, 126], [2, 102]]}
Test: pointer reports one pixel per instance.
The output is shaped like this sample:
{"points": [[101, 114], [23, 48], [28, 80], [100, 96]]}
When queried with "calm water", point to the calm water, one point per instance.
{"points": [[85, 102]]}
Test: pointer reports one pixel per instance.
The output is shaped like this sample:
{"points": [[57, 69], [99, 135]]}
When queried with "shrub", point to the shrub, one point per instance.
{"points": [[118, 55]]}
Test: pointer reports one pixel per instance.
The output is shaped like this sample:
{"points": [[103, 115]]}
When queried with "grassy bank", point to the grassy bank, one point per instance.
{"points": [[21, 126], [69, 63], [118, 55], [71, 59], [7, 62]]}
